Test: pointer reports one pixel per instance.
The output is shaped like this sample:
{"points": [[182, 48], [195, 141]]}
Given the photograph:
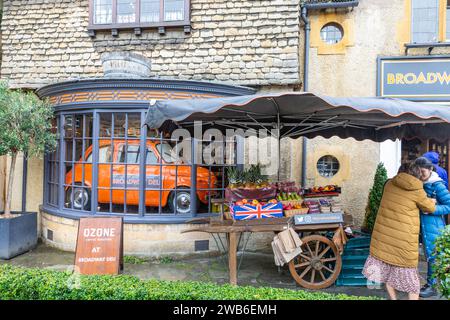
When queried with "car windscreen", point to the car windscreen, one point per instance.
{"points": [[167, 152]]}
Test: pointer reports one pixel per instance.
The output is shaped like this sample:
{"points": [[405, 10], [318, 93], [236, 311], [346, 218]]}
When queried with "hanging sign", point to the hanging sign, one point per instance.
{"points": [[99, 246], [414, 78]]}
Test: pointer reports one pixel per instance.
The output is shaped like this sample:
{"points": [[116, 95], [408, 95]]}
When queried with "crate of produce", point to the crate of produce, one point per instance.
{"points": [[292, 202], [293, 212]]}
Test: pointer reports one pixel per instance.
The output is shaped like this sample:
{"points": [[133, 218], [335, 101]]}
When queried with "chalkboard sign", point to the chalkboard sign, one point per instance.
{"points": [[99, 246]]}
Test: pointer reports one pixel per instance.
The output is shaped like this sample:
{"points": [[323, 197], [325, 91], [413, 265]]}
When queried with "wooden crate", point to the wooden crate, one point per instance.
{"points": [[293, 202], [293, 212], [264, 221]]}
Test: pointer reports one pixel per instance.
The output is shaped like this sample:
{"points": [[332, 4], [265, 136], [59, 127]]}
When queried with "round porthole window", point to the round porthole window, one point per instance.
{"points": [[331, 33], [327, 166]]}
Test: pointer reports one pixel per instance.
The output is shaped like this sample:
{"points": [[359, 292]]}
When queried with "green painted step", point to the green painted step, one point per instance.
{"points": [[354, 257], [351, 272], [359, 251], [360, 258], [360, 242], [353, 265], [354, 282]]}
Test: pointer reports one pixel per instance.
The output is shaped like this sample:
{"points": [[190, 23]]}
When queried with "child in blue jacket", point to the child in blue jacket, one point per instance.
{"points": [[434, 158], [432, 224]]}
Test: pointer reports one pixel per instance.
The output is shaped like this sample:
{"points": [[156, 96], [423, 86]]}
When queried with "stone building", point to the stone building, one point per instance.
{"points": [[256, 44]]}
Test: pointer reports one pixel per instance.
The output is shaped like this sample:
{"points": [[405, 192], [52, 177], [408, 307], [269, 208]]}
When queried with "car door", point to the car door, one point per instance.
{"points": [[104, 172], [125, 180], [153, 178]]}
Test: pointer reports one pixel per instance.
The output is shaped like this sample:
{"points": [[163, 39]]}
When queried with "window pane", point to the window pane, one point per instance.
{"points": [[150, 10], [126, 11], [327, 166], [425, 20], [104, 154], [173, 10], [151, 157], [102, 11], [131, 157], [166, 152], [331, 33]]}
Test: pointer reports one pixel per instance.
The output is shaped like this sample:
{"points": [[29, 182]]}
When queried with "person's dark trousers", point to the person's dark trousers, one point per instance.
{"points": [[431, 281], [429, 290]]}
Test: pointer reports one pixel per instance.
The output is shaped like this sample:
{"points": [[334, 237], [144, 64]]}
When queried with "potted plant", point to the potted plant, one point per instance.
{"points": [[374, 200], [25, 127]]}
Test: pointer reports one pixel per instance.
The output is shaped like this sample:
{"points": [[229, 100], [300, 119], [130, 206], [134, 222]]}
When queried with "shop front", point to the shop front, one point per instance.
{"points": [[103, 149], [424, 79]]}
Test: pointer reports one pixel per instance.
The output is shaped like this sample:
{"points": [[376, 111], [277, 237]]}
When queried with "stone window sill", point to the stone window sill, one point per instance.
{"points": [[137, 28], [430, 46]]}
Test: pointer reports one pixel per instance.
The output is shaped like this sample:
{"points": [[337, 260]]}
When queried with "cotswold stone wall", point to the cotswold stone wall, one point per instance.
{"points": [[241, 41]]}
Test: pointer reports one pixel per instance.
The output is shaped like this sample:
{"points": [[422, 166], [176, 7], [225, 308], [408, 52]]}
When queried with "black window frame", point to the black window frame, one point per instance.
{"points": [[138, 24]]}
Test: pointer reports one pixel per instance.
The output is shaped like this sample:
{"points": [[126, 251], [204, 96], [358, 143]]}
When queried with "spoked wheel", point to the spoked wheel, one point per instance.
{"points": [[319, 265]]}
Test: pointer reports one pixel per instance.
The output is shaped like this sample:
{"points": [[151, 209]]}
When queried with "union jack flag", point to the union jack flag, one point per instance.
{"points": [[249, 212]]}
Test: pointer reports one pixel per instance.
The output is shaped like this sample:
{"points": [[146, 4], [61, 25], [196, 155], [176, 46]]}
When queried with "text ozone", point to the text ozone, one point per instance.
{"points": [[99, 232]]}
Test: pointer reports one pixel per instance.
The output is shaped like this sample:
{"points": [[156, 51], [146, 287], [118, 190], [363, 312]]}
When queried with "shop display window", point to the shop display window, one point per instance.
{"points": [[107, 162]]}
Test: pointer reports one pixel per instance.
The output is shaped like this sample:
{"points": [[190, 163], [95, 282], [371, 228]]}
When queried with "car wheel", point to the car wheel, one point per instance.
{"points": [[81, 198], [180, 201]]}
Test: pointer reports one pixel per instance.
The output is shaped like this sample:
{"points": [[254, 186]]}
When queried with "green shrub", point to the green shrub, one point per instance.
{"points": [[165, 260], [134, 260], [17, 283], [375, 195], [441, 268]]}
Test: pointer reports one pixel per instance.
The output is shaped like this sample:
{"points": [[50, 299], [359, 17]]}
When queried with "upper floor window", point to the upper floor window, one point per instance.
{"points": [[331, 33], [425, 21], [106, 14], [447, 24]]}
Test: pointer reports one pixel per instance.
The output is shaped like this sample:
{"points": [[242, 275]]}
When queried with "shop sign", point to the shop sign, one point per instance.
{"points": [[414, 78], [99, 246], [318, 218], [153, 181]]}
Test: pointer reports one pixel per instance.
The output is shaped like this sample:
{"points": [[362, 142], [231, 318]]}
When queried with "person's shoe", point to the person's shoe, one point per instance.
{"points": [[427, 291]]}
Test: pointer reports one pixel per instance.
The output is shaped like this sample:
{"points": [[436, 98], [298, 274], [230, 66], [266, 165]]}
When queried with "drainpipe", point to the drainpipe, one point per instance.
{"points": [[307, 27], [24, 182]]}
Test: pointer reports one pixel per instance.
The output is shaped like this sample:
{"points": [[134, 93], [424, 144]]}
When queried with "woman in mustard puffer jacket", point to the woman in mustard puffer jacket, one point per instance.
{"points": [[394, 247]]}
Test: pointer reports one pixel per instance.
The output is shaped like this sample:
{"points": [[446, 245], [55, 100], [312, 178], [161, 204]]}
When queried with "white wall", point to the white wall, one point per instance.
{"points": [[390, 155]]}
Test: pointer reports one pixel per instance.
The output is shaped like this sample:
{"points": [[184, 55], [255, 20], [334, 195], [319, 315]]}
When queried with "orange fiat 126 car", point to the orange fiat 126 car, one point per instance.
{"points": [[121, 162]]}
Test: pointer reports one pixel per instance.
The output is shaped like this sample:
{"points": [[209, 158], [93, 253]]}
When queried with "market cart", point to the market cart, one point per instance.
{"points": [[317, 267]]}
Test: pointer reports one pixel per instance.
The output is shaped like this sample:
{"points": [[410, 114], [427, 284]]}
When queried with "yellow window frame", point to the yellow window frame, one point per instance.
{"points": [[443, 21]]}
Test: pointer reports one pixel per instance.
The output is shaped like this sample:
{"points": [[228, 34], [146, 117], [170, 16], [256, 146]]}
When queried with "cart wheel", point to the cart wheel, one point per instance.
{"points": [[319, 265]]}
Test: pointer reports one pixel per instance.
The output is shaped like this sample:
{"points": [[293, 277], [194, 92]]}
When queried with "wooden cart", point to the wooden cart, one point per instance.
{"points": [[317, 267]]}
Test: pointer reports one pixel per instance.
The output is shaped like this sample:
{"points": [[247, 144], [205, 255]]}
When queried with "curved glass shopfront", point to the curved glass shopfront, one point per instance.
{"points": [[108, 163]]}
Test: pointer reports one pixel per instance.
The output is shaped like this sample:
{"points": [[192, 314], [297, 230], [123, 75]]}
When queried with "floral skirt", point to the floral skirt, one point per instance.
{"points": [[400, 278]]}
